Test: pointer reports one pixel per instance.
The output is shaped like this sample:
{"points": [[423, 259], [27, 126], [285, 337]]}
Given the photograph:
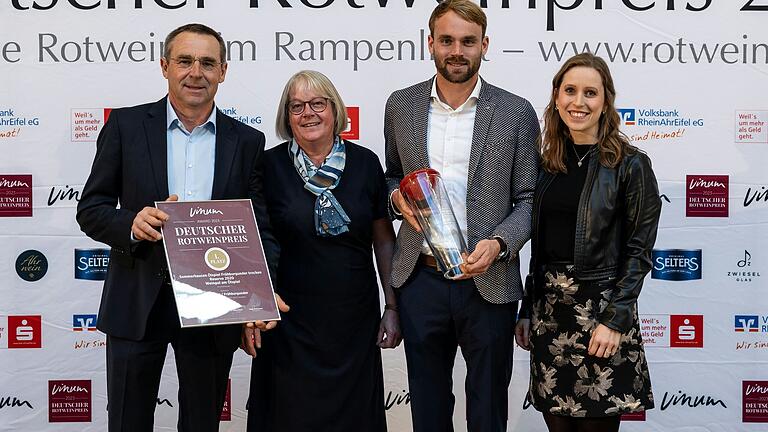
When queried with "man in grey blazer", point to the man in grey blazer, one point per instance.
{"points": [[482, 140]]}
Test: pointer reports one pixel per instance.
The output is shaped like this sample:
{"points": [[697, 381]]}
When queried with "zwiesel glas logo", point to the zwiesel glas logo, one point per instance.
{"points": [[84, 322], [69, 401], [15, 195], [744, 272], [754, 401], [706, 195], [91, 264], [25, 331], [672, 331], [676, 264], [87, 123], [353, 124], [31, 265]]}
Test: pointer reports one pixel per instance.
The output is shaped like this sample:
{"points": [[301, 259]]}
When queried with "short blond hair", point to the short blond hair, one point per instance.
{"points": [[317, 82], [466, 9]]}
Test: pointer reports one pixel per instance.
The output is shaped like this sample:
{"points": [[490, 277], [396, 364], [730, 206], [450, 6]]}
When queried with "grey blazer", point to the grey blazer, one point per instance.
{"points": [[503, 166]]}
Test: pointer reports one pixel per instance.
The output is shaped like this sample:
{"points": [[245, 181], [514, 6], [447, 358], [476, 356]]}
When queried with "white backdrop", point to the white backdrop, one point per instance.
{"points": [[691, 79]]}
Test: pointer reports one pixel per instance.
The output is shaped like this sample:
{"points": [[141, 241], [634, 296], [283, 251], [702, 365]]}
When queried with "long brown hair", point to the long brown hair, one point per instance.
{"points": [[612, 144]]}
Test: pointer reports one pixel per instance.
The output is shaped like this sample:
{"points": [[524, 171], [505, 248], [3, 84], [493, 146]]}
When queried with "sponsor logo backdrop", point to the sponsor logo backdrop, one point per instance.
{"points": [[691, 93]]}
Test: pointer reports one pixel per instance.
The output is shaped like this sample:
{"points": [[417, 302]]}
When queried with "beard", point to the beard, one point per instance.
{"points": [[473, 66]]}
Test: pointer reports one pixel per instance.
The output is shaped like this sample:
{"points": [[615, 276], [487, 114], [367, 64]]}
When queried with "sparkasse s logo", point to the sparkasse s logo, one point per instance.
{"points": [[353, 124], [687, 331], [25, 331], [84, 322]]}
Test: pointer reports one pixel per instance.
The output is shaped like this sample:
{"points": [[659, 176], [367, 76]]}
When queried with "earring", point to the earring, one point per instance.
{"points": [[555, 107]]}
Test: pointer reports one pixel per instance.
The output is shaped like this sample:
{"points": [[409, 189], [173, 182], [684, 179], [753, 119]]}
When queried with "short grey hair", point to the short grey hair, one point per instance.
{"points": [[316, 82]]}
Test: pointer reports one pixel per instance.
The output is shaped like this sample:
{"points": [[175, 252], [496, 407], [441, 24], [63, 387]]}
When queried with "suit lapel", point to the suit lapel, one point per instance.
{"points": [[483, 116], [226, 147], [155, 129], [419, 125]]}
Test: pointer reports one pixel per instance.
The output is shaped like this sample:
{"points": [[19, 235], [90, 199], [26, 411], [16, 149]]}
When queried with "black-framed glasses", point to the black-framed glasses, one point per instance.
{"points": [[185, 62], [318, 105]]}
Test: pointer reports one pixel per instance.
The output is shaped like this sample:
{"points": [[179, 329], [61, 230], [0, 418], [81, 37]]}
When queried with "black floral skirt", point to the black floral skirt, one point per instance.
{"points": [[565, 379]]}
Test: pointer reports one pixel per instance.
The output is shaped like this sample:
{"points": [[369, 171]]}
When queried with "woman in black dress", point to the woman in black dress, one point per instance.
{"points": [[596, 211], [320, 369]]}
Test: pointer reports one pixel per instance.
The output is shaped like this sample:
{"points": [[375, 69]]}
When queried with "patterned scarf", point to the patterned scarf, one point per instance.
{"points": [[330, 217]]}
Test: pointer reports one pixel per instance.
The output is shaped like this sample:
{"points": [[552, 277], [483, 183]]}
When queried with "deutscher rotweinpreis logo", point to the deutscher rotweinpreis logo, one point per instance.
{"points": [[21, 331], [217, 259], [754, 401], [672, 331], [240, 115], [706, 196], [15, 195], [751, 127], [13, 123], [353, 124], [69, 401], [676, 264], [31, 265], [86, 123], [659, 123], [743, 270], [226, 411], [91, 264]]}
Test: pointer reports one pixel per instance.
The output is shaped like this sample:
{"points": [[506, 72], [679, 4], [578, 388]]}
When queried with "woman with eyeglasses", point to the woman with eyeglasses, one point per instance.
{"points": [[595, 215], [327, 201]]}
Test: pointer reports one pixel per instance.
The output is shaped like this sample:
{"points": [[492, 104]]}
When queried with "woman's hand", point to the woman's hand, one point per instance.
{"points": [[604, 342], [250, 336], [389, 330], [523, 333]]}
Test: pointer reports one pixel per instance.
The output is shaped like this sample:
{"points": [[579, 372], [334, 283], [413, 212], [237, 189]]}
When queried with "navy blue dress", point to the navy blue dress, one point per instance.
{"points": [[320, 369]]}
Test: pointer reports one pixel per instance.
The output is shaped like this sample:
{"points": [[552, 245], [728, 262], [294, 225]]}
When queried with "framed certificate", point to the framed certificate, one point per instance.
{"points": [[216, 262]]}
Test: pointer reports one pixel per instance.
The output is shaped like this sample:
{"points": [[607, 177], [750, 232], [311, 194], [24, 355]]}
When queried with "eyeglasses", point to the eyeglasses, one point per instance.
{"points": [[206, 63], [318, 104]]}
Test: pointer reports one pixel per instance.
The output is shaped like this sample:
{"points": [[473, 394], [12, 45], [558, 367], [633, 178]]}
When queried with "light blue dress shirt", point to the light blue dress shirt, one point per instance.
{"points": [[191, 157]]}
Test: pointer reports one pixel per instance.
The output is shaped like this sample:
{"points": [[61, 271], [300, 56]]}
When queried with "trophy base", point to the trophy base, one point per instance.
{"points": [[453, 273]]}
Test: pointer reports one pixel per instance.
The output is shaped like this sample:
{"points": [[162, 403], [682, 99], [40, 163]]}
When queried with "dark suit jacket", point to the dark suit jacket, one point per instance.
{"points": [[130, 169], [503, 164]]}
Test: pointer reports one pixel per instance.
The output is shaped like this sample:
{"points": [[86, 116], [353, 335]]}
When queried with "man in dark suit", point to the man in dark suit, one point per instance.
{"points": [[180, 147], [482, 140]]}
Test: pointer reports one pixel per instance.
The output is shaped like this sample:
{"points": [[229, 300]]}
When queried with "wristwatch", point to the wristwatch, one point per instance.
{"points": [[504, 251]]}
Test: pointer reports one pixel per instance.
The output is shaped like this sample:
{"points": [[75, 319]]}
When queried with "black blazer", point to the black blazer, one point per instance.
{"points": [[130, 169]]}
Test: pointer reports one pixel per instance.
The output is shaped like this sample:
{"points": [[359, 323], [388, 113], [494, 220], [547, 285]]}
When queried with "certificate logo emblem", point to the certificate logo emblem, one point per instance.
{"points": [[217, 259]]}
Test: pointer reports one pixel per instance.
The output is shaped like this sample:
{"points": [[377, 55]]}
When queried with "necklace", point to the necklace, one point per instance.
{"points": [[581, 158]]}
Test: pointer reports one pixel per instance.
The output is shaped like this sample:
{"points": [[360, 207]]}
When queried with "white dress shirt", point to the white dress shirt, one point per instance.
{"points": [[449, 143]]}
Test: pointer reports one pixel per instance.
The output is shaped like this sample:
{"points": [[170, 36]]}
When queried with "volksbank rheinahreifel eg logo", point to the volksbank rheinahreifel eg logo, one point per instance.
{"points": [[676, 264], [657, 117]]}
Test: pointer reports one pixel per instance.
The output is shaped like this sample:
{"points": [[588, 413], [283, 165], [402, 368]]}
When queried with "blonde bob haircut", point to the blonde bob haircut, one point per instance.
{"points": [[315, 82]]}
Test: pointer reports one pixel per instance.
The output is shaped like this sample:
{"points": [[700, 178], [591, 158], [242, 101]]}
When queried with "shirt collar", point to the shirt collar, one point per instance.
{"points": [[474, 96], [172, 120]]}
